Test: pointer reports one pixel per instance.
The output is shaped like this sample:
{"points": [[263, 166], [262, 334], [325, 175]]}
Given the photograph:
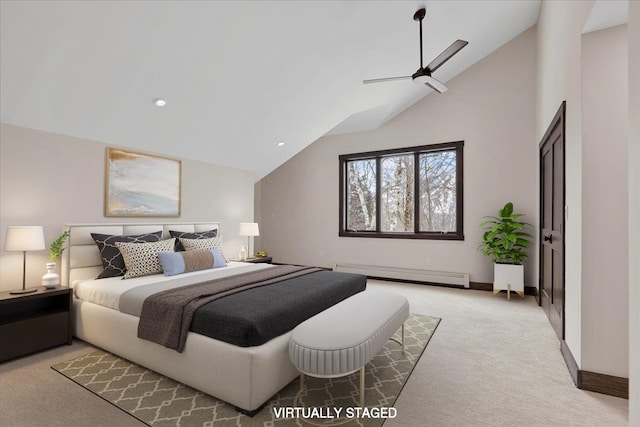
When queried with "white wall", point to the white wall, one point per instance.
{"points": [[490, 106], [50, 180], [605, 337], [560, 25], [634, 212]]}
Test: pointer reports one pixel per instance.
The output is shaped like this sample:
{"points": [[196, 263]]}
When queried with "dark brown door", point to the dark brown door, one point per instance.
{"points": [[552, 213]]}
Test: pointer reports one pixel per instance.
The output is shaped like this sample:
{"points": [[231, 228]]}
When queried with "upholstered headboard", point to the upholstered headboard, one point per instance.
{"points": [[81, 259]]}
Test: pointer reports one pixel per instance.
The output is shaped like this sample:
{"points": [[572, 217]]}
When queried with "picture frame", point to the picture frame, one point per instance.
{"points": [[141, 184]]}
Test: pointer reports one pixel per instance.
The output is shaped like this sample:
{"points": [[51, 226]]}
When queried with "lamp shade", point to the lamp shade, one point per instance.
{"points": [[24, 238], [249, 229]]}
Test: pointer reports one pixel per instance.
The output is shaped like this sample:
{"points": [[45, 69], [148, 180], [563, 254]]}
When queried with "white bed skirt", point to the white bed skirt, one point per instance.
{"points": [[242, 376]]}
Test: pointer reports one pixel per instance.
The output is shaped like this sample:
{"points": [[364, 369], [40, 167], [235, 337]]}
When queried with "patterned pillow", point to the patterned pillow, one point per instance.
{"points": [[112, 261], [199, 244], [141, 259], [185, 261], [187, 235]]}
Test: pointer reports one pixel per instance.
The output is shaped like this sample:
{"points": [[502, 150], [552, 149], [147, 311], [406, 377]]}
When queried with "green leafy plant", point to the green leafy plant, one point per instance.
{"points": [[504, 238], [57, 246]]}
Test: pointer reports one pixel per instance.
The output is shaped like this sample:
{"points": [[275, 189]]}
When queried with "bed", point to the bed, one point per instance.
{"points": [[244, 376]]}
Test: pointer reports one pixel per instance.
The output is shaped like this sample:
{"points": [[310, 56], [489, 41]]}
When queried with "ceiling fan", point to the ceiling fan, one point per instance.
{"points": [[423, 75]]}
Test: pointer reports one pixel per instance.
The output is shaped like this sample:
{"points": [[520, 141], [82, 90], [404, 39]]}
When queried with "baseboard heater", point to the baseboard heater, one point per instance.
{"points": [[413, 274]]}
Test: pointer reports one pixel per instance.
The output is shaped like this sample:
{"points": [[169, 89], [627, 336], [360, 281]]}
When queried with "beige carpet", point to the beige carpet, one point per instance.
{"points": [[492, 362], [159, 401]]}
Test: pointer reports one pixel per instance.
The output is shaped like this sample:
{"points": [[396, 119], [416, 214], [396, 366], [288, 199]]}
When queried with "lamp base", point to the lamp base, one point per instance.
{"points": [[23, 291]]}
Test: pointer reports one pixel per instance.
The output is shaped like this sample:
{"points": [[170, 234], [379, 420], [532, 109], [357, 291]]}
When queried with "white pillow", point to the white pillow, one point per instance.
{"points": [[141, 259]]}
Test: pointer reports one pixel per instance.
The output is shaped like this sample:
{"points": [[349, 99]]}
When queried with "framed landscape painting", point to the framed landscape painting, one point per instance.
{"points": [[138, 184]]}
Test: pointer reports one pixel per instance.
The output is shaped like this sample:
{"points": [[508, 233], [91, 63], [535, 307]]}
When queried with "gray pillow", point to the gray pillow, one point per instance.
{"points": [[188, 235], [112, 260]]}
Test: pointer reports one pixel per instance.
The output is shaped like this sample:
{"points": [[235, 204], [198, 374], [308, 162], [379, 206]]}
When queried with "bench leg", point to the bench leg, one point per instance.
{"points": [[401, 340], [362, 387], [301, 383]]}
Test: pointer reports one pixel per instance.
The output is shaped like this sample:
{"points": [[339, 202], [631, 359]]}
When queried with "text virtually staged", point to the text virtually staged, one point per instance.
{"points": [[329, 413]]}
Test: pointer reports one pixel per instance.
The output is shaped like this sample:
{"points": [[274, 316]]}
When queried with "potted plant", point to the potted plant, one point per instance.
{"points": [[505, 239], [51, 278], [57, 246]]}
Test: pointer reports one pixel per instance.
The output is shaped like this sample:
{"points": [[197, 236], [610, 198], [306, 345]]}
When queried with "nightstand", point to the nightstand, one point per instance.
{"points": [[34, 322], [256, 260]]}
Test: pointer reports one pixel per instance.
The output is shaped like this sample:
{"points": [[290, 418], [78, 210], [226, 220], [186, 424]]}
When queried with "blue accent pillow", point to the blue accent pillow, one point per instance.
{"points": [[183, 262]]}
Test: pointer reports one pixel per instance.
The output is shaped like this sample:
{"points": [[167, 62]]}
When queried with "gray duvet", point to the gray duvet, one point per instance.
{"points": [[250, 315]]}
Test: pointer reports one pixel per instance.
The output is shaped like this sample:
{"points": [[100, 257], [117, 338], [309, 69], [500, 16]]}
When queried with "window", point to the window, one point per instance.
{"points": [[410, 193]]}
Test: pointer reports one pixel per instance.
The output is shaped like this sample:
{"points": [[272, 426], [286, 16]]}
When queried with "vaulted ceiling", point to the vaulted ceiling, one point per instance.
{"points": [[238, 77]]}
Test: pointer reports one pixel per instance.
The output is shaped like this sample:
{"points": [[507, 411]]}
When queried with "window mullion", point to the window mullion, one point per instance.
{"points": [[459, 190], [416, 192], [343, 191], [378, 194]]}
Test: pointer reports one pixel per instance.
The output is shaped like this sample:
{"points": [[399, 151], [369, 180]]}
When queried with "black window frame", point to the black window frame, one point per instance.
{"points": [[457, 146]]}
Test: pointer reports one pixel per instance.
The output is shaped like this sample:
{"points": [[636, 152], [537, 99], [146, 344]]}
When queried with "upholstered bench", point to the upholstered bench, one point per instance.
{"points": [[344, 338]]}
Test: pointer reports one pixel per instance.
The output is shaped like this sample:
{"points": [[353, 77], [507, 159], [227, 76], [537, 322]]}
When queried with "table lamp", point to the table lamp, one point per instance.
{"points": [[249, 229], [22, 239]]}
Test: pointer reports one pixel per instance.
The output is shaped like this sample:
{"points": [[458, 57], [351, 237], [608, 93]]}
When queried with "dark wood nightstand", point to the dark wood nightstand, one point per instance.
{"points": [[256, 260], [259, 259], [34, 322]]}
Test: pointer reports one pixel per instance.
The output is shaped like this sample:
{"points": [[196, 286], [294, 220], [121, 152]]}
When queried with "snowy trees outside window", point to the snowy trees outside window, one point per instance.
{"points": [[411, 192]]}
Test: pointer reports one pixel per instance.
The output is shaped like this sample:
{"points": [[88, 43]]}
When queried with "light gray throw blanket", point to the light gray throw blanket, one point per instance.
{"points": [[166, 316]]}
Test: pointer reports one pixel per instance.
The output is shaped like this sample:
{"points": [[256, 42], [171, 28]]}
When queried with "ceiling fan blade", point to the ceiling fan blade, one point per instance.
{"points": [[446, 55], [386, 79], [435, 84]]}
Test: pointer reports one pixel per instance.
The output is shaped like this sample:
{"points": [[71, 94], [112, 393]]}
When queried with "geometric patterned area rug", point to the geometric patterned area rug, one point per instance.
{"points": [[160, 401]]}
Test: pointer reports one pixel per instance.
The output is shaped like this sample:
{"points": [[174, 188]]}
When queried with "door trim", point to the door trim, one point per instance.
{"points": [[557, 121], [585, 380]]}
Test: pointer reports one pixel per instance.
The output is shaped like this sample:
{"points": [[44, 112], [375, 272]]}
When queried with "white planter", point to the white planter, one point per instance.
{"points": [[51, 278], [508, 277]]}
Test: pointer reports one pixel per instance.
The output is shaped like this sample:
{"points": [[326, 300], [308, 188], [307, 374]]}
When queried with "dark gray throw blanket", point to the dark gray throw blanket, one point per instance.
{"points": [[166, 316]]}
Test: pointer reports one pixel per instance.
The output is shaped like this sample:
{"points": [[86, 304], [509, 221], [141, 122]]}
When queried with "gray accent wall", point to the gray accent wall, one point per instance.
{"points": [[50, 180], [491, 106]]}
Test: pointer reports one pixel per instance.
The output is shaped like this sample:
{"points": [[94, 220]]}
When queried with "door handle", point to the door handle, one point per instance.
{"points": [[548, 238]]}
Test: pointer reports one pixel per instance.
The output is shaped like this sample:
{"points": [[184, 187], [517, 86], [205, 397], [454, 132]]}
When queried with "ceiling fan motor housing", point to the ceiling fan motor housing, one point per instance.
{"points": [[420, 73]]}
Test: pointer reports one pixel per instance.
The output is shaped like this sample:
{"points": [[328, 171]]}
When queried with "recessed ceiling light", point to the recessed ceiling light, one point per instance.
{"points": [[159, 102], [280, 144]]}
